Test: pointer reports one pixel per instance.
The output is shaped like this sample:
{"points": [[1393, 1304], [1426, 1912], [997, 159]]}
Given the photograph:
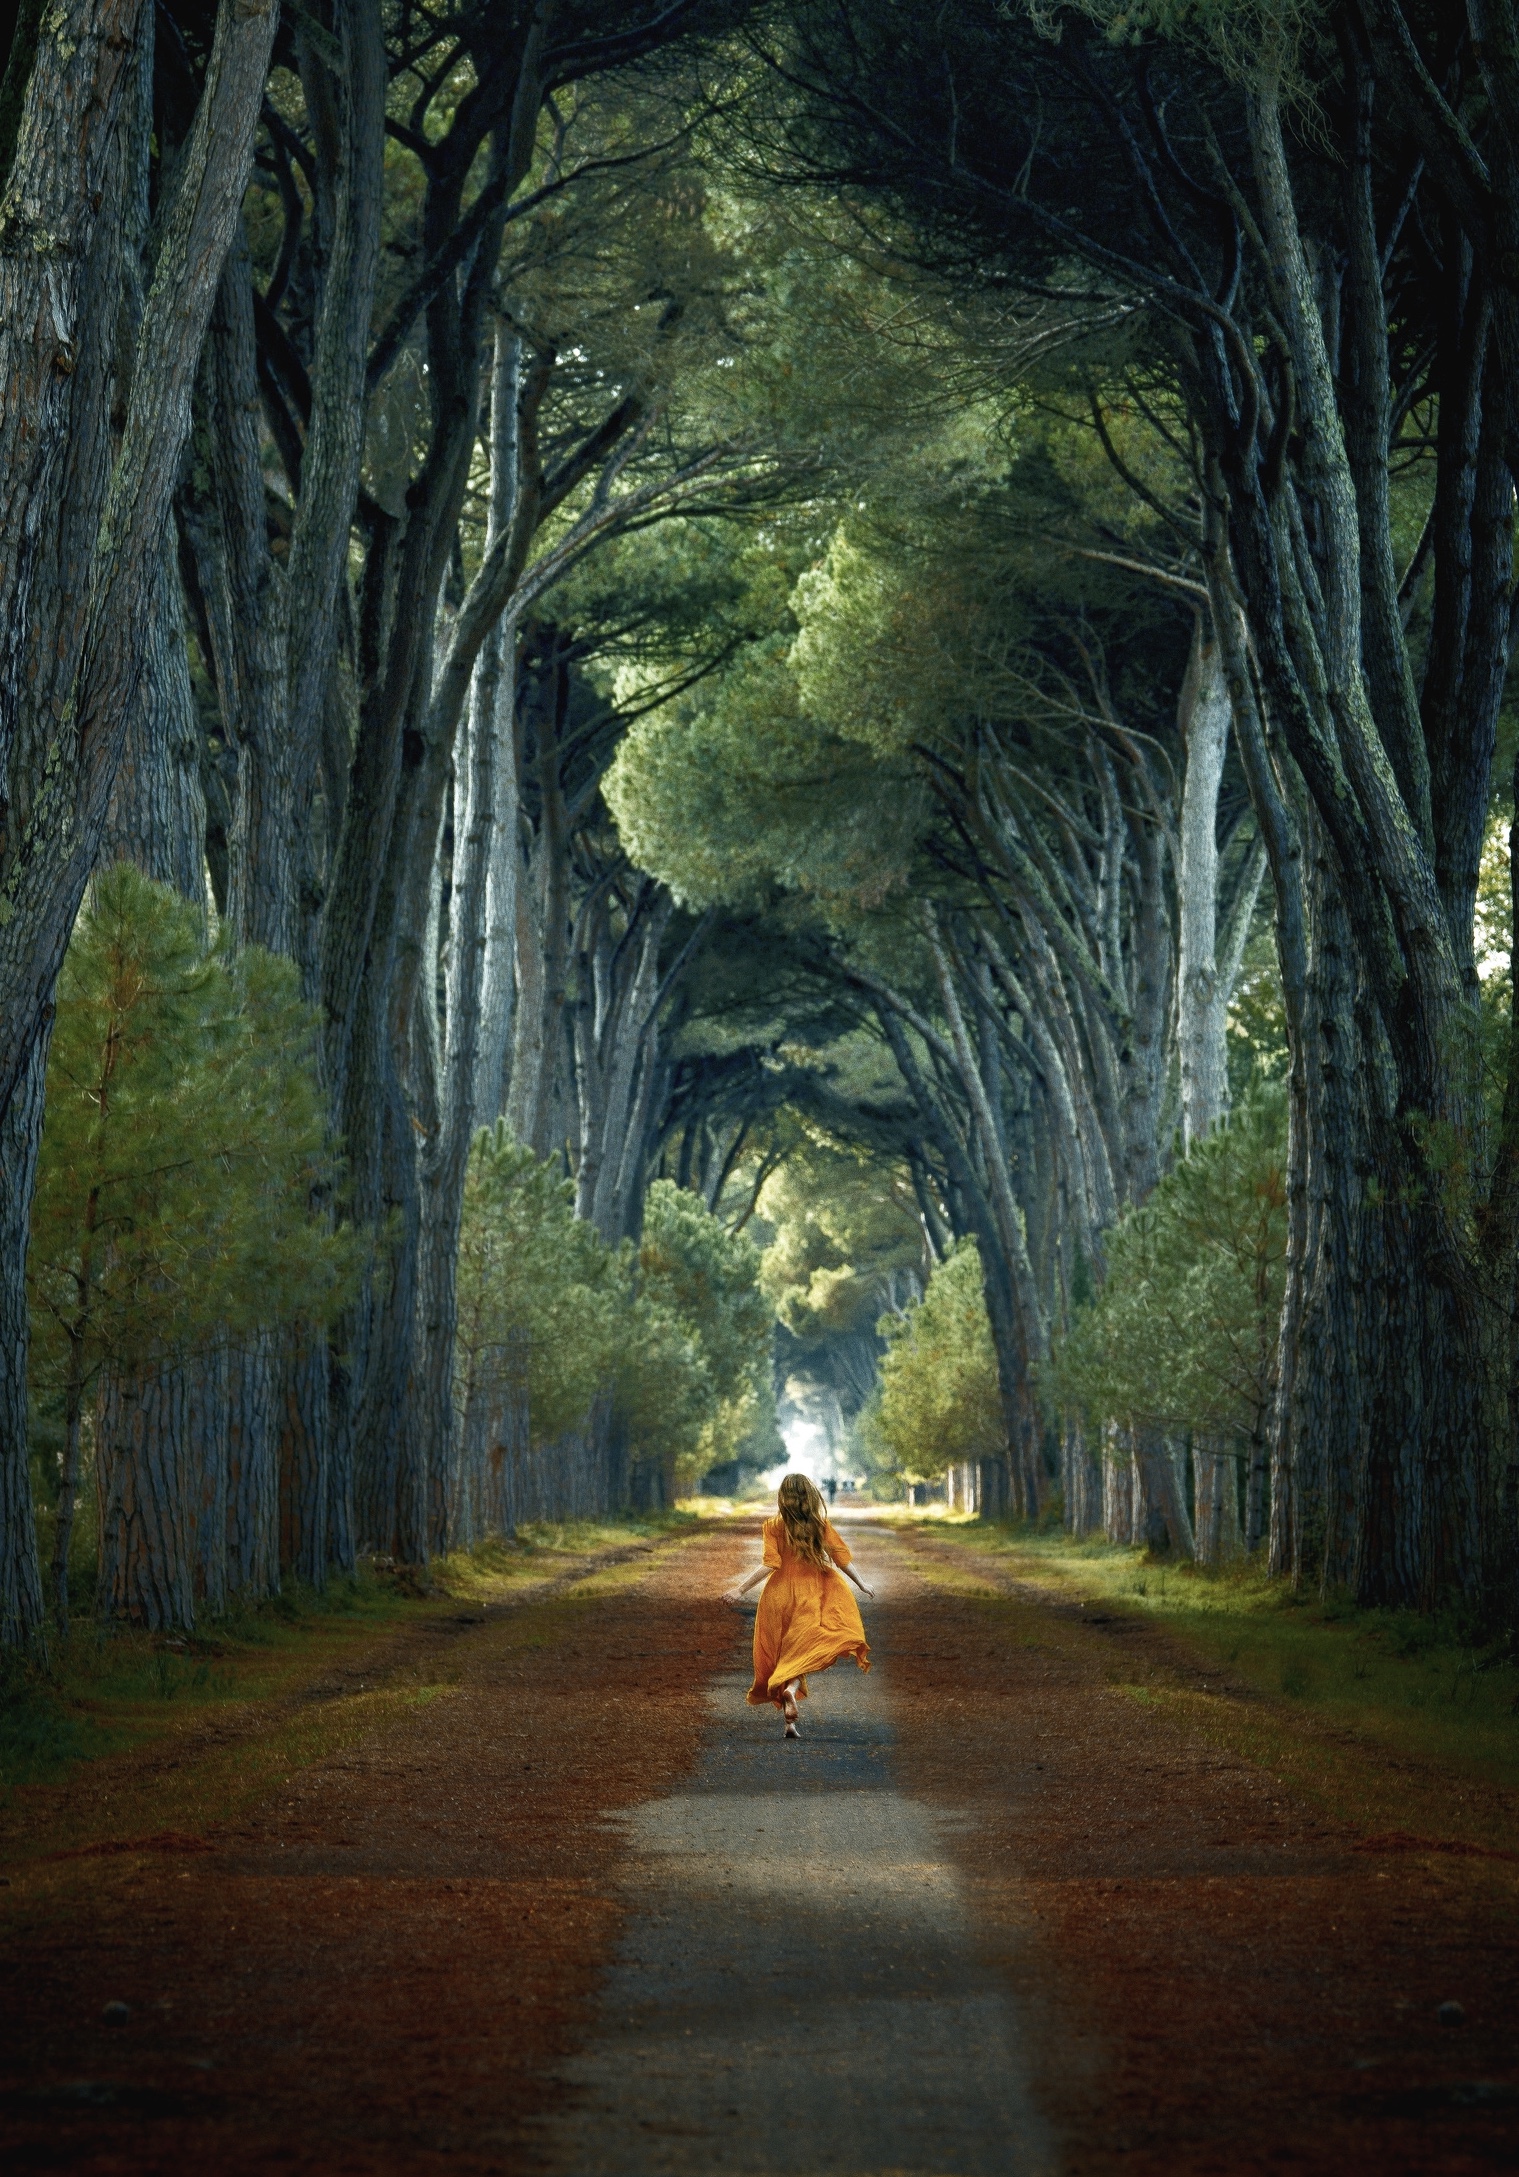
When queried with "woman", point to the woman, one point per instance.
{"points": [[807, 1617]]}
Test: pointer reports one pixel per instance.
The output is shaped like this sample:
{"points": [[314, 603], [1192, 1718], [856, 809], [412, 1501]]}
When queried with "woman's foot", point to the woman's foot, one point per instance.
{"points": [[788, 1710]]}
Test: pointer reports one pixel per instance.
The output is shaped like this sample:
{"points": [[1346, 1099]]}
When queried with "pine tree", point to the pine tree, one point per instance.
{"points": [[938, 1405], [185, 1134]]}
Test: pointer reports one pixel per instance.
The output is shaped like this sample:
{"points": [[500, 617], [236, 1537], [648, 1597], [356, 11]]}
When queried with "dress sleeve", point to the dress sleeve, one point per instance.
{"points": [[771, 1532], [836, 1549]]}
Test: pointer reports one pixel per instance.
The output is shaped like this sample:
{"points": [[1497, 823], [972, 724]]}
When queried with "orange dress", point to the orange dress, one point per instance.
{"points": [[807, 1617]]}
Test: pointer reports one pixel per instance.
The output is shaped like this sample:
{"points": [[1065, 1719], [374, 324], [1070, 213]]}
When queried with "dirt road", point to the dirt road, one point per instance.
{"points": [[577, 1910]]}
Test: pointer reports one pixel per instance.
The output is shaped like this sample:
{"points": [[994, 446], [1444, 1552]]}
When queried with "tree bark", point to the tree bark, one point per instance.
{"points": [[303, 1458], [495, 691], [1216, 1496], [1161, 1519], [1118, 1484], [91, 632], [1201, 998], [253, 1477], [208, 1430], [21, 1615], [157, 812], [145, 1491], [1081, 1480]]}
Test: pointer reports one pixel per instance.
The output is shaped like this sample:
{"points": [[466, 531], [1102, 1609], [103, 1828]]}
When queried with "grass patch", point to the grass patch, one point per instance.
{"points": [[40, 1734], [125, 1735], [547, 1548], [906, 1515], [108, 1689], [1434, 1716], [114, 1691], [580, 1535]]}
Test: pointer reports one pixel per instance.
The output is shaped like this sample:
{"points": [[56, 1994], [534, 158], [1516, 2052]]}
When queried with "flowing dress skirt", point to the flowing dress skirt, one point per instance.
{"points": [[807, 1617]]}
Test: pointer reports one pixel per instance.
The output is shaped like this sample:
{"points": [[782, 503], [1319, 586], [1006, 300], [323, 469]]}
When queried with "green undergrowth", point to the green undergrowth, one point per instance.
{"points": [[1435, 1709], [590, 1534], [110, 1690], [107, 1689], [907, 1515]]}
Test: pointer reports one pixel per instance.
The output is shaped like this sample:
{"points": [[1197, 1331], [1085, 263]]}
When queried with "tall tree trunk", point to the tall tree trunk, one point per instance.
{"points": [[1320, 621], [1117, 1484], [304, 1453], [145, 1490], [629, 1030], [1276, 799], [1081, 1479], [157, 821], [252, 619], [20, 1576], [90, 627], [345, 99], [1161, 1520], [544, 960], [1142, 1060], [525, 1086], [1216, 1496], [208, 1431], [253, 1491], [1314, 1492], [1201, 999], [157, 812], [261, 846], [1014, 1305]]}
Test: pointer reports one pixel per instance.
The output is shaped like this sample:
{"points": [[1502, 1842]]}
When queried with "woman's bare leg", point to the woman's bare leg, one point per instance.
{"points": [[788, 1708]]}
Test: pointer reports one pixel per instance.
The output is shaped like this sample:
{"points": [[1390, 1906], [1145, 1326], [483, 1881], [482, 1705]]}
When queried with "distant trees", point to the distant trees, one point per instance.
{"points": [[979, 760], [938, 1404], [1270, 236], [1175, 1347], [364, 263], [1180, 1339], [695, 1272], [666, 1347]]}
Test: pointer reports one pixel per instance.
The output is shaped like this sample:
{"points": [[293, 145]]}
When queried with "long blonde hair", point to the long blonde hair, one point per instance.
{"points": [[803, 1517]]}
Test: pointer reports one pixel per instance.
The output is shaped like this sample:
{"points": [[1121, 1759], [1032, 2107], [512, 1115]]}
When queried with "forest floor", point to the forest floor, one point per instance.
{"points": [[509, 1879]]}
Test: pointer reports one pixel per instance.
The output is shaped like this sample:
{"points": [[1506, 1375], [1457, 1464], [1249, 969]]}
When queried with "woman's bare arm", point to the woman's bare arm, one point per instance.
{"points": [[754, 1579], [859, 1583]]}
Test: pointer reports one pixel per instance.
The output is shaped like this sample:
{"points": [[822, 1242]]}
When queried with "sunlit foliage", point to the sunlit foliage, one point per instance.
{"points": [[1182, 1333], [186, 1149]]}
